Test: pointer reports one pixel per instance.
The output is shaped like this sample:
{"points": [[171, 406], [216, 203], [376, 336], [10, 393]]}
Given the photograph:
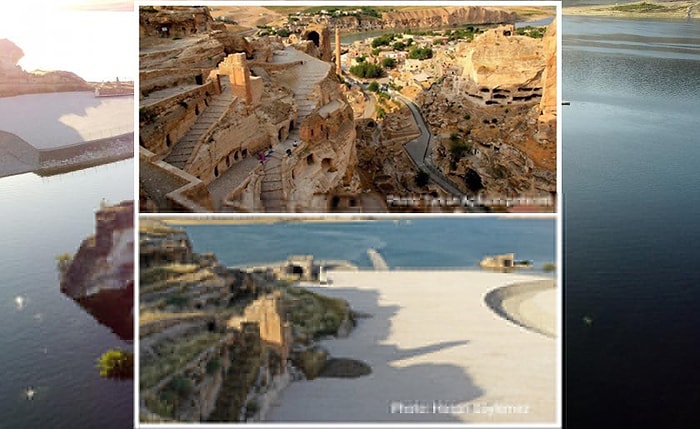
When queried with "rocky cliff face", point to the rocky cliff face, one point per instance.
{"points": [[447, 16], [426, 18], [499, 58], [548, 104], [215, 342], [15, 81], [101, 275]]}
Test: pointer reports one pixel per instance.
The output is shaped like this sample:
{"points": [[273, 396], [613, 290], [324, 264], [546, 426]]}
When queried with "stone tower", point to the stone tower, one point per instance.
{"points": [[235, 67], [338, 70]]}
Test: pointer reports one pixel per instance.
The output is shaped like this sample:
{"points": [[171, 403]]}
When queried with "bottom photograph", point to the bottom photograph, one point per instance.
{"points": [[349, 320]]}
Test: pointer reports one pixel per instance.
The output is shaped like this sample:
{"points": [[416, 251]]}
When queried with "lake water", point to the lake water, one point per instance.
{"points": [[49, 342], [630, 154], [456, 243]]}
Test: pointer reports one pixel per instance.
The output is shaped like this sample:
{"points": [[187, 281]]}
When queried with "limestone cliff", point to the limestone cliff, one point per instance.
{"points": [[498, 58], [447, 16], [15, 81], [548, 104], [429, 17], [100, 276]]}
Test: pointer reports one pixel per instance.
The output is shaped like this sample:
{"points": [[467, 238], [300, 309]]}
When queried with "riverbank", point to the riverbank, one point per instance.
{"points": [[437, 355], [640, 10]]}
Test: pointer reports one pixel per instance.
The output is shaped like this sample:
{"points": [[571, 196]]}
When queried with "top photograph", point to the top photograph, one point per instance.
{"points": [[348, 109]]}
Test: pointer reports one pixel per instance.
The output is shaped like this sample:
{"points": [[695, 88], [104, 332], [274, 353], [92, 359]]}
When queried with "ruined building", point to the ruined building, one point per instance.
{"points": [[236, 124]]}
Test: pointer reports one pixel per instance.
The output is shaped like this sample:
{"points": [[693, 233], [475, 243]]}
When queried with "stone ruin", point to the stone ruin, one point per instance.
{"points": [[238, 124]]}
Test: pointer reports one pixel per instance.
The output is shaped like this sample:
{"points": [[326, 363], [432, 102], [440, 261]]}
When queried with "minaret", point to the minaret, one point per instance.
{"points": [[338, 70]]}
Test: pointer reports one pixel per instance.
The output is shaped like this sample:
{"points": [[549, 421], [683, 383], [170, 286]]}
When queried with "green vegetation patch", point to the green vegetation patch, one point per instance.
{"points": [[313, 314], [118, 364], [171, 355], [640, 7], [367, 70], [160, 273], [420, 53], [534, 32]]}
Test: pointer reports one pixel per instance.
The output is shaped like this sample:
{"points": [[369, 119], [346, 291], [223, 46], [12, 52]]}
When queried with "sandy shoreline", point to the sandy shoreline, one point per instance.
{"points": [[438, 354]]}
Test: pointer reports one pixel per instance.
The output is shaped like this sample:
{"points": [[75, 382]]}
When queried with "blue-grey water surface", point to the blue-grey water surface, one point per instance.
{"points": [[632, 208], [49, 342], [456, 243]]}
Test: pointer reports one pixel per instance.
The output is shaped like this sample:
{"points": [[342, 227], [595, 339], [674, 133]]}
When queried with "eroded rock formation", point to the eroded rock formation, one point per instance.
{"points": [[100, 276], [15, 81], [447, 16], [548, 103], [216, 342], [494, 135], [429, 17]]}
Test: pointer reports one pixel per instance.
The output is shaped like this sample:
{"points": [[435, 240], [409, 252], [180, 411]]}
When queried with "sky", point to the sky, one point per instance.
{"points": [[95, 39]]}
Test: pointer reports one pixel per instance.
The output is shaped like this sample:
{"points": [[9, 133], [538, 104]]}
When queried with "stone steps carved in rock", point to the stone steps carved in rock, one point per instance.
{"points": [[182, 151]]}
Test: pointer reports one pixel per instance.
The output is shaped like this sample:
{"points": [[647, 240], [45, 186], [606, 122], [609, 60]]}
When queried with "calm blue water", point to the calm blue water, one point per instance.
{"points": [[632, 207], [424, 243], [50, 343]]}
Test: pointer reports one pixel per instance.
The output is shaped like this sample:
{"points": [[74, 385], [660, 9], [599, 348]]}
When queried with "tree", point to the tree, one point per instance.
{"points": [[389, 63], [366, 69], [417, 53], [116, 364], [422, 178], [373, 86]]}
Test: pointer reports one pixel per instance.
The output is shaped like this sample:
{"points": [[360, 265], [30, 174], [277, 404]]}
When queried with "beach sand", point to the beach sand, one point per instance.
{"points": [[438, 353]]}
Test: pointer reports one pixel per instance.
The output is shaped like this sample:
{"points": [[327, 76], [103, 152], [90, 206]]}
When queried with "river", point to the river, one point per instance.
{"points": [[49, 343], [631, 207]]}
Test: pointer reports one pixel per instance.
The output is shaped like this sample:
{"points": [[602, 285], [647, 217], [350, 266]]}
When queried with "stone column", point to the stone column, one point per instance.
{"points": [[338, 70]]}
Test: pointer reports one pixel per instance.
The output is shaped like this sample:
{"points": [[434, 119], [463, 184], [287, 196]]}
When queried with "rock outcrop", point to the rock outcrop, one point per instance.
{"points": [[548, 103], [216, 342], [429, 17], [446, 17], [501, 67], [15, 81], [100, 276]]}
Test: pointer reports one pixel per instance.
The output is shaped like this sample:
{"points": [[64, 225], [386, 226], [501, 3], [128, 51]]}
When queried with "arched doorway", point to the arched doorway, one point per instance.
{"points": [[314, 37]]}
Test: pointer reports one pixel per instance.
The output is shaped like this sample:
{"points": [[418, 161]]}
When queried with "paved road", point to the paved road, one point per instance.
{"points": [[417, 150]]}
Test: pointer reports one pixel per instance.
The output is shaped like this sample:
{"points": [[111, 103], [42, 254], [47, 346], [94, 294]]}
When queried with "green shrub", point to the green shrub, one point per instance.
{"points": [[177, 300], [389, 63], [549, 267], [213, 366], [422, 178], [420, 53], [117, 364], [373, 86], [367, 70]]}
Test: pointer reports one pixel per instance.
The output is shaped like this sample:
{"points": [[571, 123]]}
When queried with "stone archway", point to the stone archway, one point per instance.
{"points": [[314, 37]]}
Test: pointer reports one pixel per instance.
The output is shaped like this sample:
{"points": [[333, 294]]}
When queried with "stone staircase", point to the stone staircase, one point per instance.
{"points": [[307, 75], [182, 151]]}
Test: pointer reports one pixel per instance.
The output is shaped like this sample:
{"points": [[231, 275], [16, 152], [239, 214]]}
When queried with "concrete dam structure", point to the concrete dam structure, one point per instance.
{"points": [[44, 130]]}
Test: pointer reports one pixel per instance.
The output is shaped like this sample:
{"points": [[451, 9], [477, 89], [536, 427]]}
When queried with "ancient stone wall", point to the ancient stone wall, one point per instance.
{"points": [[320, 36], [235, 138], [175, 21], [164, 122]]}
